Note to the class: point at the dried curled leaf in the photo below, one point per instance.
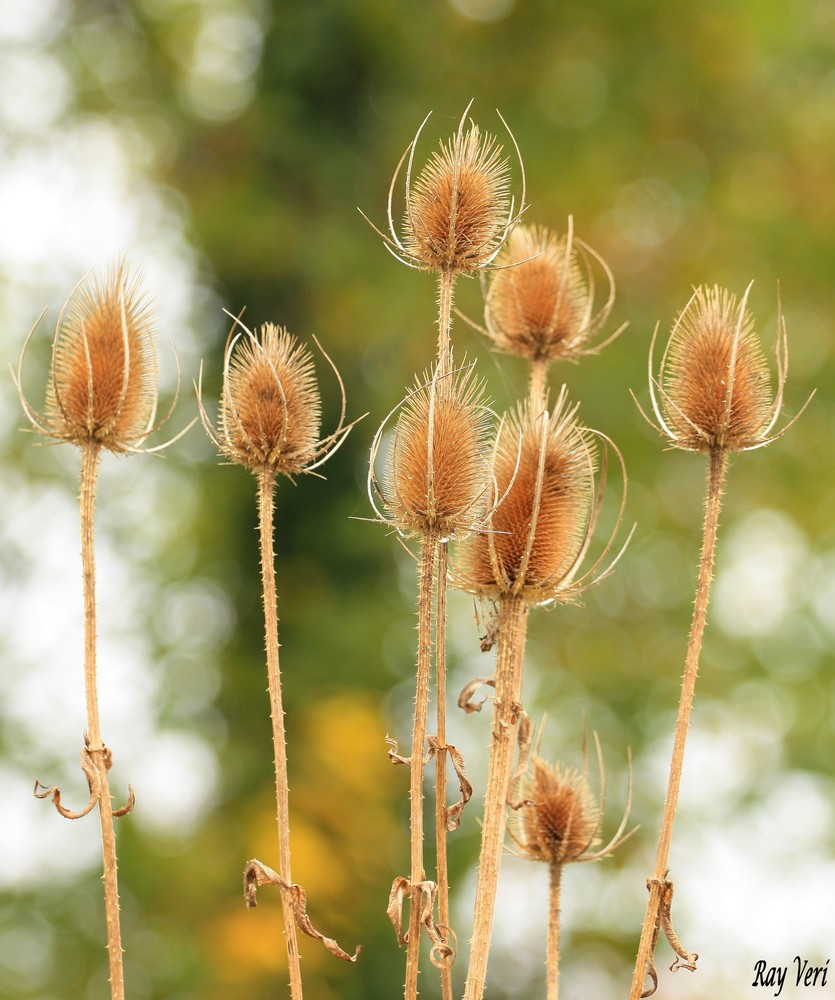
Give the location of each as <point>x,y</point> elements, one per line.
<point>684,959</point>
<point>257,874</point>
<point>94,784</point>
<point>465,699</point>
<point>453,812</point>
<point>393,755</point>
<point>443,952</point>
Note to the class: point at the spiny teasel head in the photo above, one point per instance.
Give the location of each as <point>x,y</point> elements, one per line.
<point>438,476</point>
<point>459,209</point>
<point>102,387</point>
<point>540,303</point>
<point>559,820</point>
<point>270,406</point>
<point>713,389</point>
<point>546,508</point>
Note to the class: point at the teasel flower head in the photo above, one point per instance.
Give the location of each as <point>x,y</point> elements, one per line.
<point>438,477</point>
<point>458,210</point>
<point>559,819</point>
<point>540,303</point>
<point>546,508</point>
<point>270,406</point>
<point>102,387</point>
<point>713,389</point>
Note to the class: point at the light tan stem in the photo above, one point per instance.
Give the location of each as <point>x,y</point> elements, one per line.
<point>95,748</point>
<point>713,502</point>
<point>446,287</point>
<point>553,953</point>
<point>538,385</point>
<point>266,491</point>
<point>511,648</point>
<point>441,863</point>
<point>426,570</point>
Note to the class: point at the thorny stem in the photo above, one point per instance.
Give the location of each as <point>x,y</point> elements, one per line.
<point>266,491</point>
<point>713,502</point>
<point>426,569</point>
<point>553,952</point>
<point>538,386</point>
<point>446,285</point>
<point>511,647</point>
<point>95,748</point>
<point>442,871</point>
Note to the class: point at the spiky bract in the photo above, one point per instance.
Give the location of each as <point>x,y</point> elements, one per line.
<point>559,823</point>
<point>270,409</point>
<point>713,383</point>
<point>457,211</point>
<point>438,476</point>
<point>540,303</point>
<point>103,379</point>
<point>543,467</point>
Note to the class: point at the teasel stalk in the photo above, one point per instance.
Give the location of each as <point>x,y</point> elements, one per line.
<point>270,416</point>
<point>531,553</point>
<point>436,486</point>
<point>711,394</point>
<point>101,395</point>
<point>558,823</point>
<point>458,213</point>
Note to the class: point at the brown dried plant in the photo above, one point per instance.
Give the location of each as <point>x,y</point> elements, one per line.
<point>270,411</point>
<point>101,394</point>
<point>557,824</point>
<point>530,553</point>
<point>437,485</point>
<point>540,301</point>
<point>711,394</point>
<point>457,214</point>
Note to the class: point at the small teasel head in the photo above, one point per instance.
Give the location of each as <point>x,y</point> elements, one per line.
<point>540,303</point>
<point>713,389</point>
<point>270,406</point>
<point>458,210</point>
<point>546,506</point>
<point>102,387</point>
<point>559,819</point>
<point>438,476</point>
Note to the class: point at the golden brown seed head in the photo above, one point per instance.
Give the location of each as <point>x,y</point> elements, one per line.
<point>714,383</point>
<point>540,304</point>
<point>438,477</point>
<point>103,380</point>
<point>544,471</point>
<point>457,211</point>
<point>270,409</point>
<point>561,823</point>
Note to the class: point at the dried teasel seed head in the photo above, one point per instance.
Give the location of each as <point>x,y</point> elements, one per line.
<point>560,822</point>
<point>540,303</point>
<point>457,211</point>
<point>544,471</point>
<point>438,474</point>
<point>713,386</point>
<point>103,379</point>
<point>270,408</point>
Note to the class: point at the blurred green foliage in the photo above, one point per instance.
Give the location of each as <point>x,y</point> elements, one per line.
<point>692,144</point>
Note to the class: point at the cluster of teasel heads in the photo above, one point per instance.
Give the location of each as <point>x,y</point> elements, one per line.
<point>520,496</point>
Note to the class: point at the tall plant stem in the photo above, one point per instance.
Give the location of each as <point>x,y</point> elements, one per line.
<point>717,469</point>
<point>446,288</point>
<point>441,864</point>
<point>266,492</point>
<point>511,648</point>
<point>553,953</point>
<point>538,384</point>
<point>426,570</point>
<point>94,748</point>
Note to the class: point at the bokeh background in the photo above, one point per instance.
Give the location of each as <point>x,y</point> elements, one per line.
<point>225,146</point>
